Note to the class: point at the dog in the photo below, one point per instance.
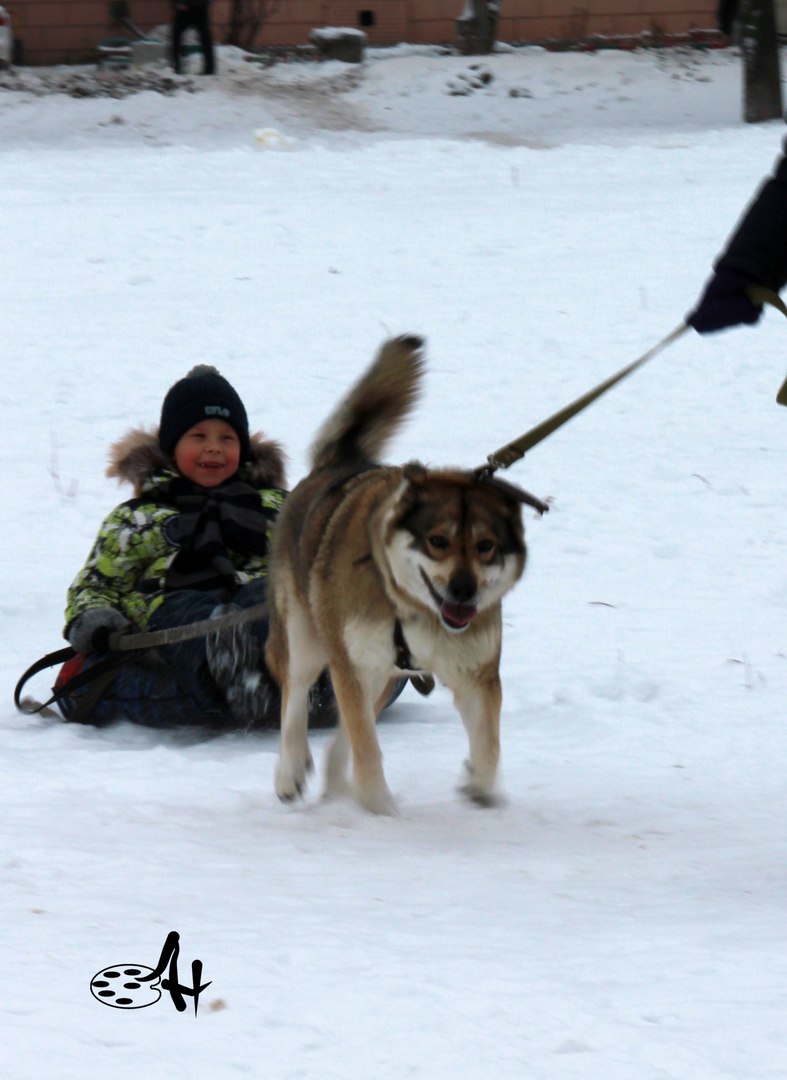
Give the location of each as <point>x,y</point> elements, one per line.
<point>381,571</point>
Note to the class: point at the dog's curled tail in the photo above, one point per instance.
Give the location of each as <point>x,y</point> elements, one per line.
<point>373,410</point>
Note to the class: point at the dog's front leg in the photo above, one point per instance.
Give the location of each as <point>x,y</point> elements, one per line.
<point>478,703</point>
<point>295,759</point>
<point>337,762</point>
<point>356,707</point>
<point>296,659</point>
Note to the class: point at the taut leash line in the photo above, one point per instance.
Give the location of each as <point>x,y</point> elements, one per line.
<point>514,451</point>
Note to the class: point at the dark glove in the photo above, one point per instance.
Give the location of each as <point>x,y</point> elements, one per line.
<point>724,303</point>
<point>90,631</point>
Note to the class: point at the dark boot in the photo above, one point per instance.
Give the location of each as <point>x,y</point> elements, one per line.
<point>236,662</point>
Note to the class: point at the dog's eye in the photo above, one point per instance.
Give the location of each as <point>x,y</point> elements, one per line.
<point>438,542</point>
<point>483,547</point>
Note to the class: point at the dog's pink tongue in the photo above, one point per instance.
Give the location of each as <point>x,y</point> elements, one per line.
<point>458,615</point>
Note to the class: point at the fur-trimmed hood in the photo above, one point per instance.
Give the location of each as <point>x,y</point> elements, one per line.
<point>137,456</point>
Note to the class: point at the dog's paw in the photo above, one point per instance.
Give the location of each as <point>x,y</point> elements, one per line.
<point>479,791</point>
<point>291,777</point>
<point>480,796</point>
<point>289,789</point>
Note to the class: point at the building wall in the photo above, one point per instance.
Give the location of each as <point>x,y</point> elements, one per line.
<point>568,19</point>
<point>68,31</point>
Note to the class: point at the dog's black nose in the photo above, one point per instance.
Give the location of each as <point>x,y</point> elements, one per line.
<point>462,587</point>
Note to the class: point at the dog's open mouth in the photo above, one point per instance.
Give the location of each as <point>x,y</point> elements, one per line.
<point>455,616</point>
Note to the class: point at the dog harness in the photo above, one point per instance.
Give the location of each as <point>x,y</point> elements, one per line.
<point>422,681</point>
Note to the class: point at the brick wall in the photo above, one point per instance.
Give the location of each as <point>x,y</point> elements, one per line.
<point>63,31</point>
<point>569,19</point>
<point>68,31</point>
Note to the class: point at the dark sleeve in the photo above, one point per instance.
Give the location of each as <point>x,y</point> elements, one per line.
<point>758,246</point>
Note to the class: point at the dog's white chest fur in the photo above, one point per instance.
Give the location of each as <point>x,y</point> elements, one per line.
<point>450,656</point>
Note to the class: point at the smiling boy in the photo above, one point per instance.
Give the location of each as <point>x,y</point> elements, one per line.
<point>192,543</point>
<point>208,453</point>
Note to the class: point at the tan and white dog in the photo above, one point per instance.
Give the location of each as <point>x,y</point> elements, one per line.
<point>379,571</point>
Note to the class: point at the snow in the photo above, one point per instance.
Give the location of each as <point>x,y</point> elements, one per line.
<point>621,915</point>
<point>334,33</point>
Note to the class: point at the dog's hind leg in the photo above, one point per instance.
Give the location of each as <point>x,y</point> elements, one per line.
<point>479,704</point>
<point>305,661</point>
<point>337,761</point>
<point>356,707</point>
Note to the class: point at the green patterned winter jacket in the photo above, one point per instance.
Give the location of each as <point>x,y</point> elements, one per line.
<point>131,556</point>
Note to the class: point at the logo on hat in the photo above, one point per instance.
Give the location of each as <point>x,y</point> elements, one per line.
<point>216,410</point>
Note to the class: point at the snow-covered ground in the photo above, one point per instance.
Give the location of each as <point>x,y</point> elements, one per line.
<point>622,916</point>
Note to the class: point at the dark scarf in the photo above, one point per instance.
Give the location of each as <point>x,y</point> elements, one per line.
<point>211,523</point>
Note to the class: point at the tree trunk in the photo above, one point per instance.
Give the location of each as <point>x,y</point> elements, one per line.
<point>762,93</point>
<point>235,23</point>
<point>246,19</point>
<point>476,27</point>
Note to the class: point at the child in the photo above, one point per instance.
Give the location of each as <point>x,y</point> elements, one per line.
<point>191,544</point>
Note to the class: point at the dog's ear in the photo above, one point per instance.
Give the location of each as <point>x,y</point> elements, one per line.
<point>518,494</point>
<point>414,472</point>
<point>411,495</point>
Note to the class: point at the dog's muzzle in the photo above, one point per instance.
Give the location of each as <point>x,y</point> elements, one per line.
<point>455,609</point>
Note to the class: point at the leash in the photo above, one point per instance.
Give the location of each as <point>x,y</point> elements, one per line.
<point>516,450</point>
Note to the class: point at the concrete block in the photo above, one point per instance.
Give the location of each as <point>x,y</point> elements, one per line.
<point>339,43</point>
<point>147,52</point>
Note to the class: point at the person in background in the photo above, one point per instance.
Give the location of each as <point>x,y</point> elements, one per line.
<point>196,14</point>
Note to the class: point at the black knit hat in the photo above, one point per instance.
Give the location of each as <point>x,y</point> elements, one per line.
<point>203,394</point>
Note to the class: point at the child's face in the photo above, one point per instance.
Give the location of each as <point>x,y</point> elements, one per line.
<point>208,453</point>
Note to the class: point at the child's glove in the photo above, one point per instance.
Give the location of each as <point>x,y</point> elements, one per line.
<point>724,303</point>
<point>90,631</point>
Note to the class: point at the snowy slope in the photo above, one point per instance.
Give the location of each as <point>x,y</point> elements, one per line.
<point>622,915</point>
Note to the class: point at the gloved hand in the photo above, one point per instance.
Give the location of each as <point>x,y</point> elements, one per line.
<point>724,303</point>
<point>90,631</point>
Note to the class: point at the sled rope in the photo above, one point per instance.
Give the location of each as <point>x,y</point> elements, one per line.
<point>516,450</point>
<point>149,639</point>
<point>102,673</point>
<point>100,676</point>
